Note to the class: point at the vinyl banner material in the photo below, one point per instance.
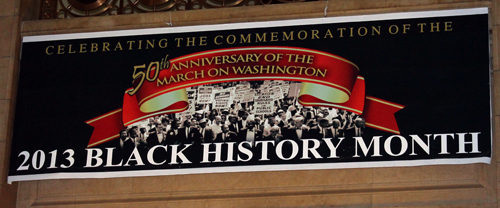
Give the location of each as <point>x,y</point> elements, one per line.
<point>400,89</point>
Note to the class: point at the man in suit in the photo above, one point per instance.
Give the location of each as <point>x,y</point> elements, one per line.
<point>356,129</point>
<point>172,135</point>
<point>310,114</point>
<point>187,133</point>
<point>298,131</point>
<point>233,125</point>
<point>275,135</point>
<point>156,136</point>
<point>283,122</point>
<point>143,134</point>
<point>359,124</point>
<point>151,124</point>
<point>323,130</point>
<point>250,133</point>
<point>126,143</point>
<point>242,123</point>
<point>226,135</point>
<point>206,134</point>
<point>166,123</point>
<point>258,124</point>
<point>138,138</point>
<point>337,130</point>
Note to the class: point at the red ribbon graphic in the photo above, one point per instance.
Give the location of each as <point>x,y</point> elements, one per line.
<point>328,80</point>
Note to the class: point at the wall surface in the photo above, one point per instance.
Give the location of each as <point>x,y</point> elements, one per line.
<point>424,186</point>
<point>10,19</point>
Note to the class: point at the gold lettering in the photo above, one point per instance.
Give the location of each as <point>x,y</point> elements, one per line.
<point>215,39</point>
<point>213,72</point>
<point>245,40</point>
<point>406,27</point>
<point>47,50</point>
<point>118,45</point>
<point>421,27</point>
<point>274,36</point>
<point>365,31</point>
<point>190,41</point>
<point>162,41</point>
<point>375,30</point>
<point>94,47</point>
<point>341,31</point>
<point>178,41</point>
<point>432,26</point>
<point>258,38</point>
<point>222,72</point>
<point>83,48</point>
<point>197,73</point>
<point>302,32</point>
<point>152,43</point>
<point>60,49</point>
<point>322,73</point>
<point>160,83</point>
<point>315,34</point>
<point>180,77</point>
<point>130,42</point>
<point>393,26</point>
<point>447,26</point>
<point>69,49</point>
<point>328,33</point>
<point>289,36</point>
<point>231,42</point>
<point>105,46</point>
<point>203,40</point>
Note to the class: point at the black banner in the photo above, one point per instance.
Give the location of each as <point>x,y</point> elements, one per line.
<point>399,89</point>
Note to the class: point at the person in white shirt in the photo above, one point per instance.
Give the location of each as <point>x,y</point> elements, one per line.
<point>217,124</point>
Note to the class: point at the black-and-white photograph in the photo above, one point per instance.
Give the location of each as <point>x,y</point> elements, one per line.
<point>242,111</point>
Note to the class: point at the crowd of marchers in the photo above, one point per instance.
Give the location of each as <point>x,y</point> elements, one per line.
<point>238,123</point>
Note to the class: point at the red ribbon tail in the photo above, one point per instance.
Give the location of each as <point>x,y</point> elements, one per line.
<point>106,127</point>
<point>379,114</point>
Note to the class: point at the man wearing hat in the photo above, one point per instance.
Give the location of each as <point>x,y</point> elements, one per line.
<point>279,116</point>
<point>206,134</point>
<point>233,125</point>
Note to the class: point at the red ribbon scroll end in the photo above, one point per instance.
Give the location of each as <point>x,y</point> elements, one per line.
<point>379,114</point>
<point>105,127</point>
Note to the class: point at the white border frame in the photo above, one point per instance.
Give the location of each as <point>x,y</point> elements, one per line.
<point>248,168</point>
<point>265,24</point>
